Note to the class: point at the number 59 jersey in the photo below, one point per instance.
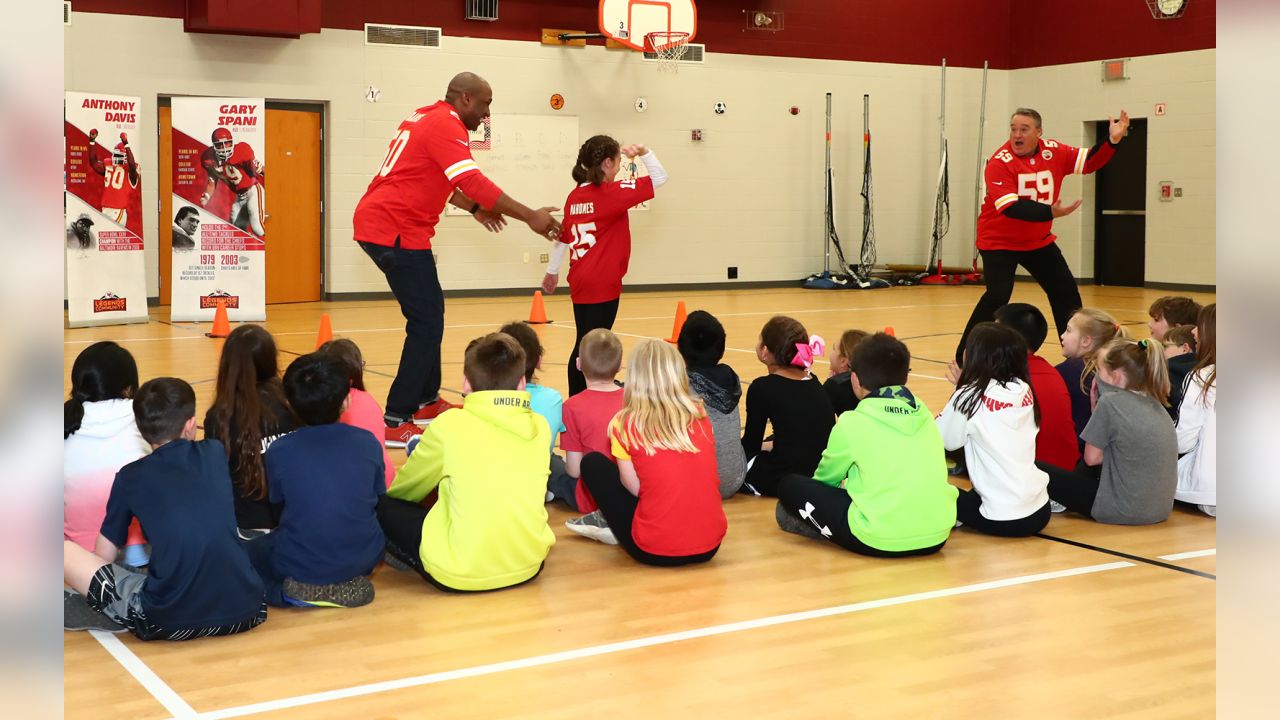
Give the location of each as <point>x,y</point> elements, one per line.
<point>598,232</point>
<point>1010,178</point>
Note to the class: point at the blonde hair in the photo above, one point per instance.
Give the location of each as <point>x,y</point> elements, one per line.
<point>601,354</point>
<point>1143,364</point>
<point>657,405</point>
<point>1102,328</point>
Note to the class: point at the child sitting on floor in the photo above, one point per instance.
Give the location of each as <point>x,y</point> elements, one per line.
<point>1180,352</point>
<point>1171,311</point>
<point>1087,331</point>
<point>200,582</point>
<point>881,488</point>
<point>546,401</point>
<point>1057,442</point>
<point>661,500</point>
<point>1198,421</point>
<point>838,387</point>
<point>362,410</point>
<point>326,477</point>
<point>701,344</point>
<point>586,420</point>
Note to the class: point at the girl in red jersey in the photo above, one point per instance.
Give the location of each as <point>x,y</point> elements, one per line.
<point>661,502</point>
<point>597,236</point>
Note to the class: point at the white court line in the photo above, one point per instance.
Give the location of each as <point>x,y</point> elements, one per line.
<point>159,690</point>
<point>598,650</point>
<point>1189,555</point>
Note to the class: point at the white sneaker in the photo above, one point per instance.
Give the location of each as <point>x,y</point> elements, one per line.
<point>1056,507</point>
<point>594,526</point>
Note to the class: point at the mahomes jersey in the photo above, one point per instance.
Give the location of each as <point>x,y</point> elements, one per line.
<point>1036,177</point>
<point>429,157</point>
<point>598,233</point>
<point>238,172</point>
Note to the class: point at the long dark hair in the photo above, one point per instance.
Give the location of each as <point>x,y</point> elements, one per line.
<point>593,152</point>
<point>102,371</point>
<point>247,372</point>
<point>1207,346</point>
<point>993,352</point>
<point>780,336</point>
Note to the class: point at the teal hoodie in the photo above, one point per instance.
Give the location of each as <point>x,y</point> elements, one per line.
<point>887,454</point>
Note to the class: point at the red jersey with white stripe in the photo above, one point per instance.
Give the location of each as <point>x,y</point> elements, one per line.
<point>429,157</point>
<point>1036,177</point>
<point>117,189</point>
<point>239,172</point>
<point>598,233</point>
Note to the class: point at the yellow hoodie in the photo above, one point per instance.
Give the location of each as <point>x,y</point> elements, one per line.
<point>489,528</point>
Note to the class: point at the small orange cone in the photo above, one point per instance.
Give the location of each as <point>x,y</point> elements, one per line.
<point>888,330</point>
<point>326,331</point>
<point>537,313</point>
<point>678,324</point>
<point>221,326</point>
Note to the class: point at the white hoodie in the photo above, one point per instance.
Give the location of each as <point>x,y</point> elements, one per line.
<point>1198,438</point>
<point>108,439</point>
<point>999,444</point>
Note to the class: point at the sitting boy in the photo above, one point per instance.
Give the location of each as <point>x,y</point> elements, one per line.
<point>200,582</point>
<point>327,477</point>
<point>488,529</point>
<point>701,344</point>
<point>888,455</point>
<point>1180,352</point>
<point>1056,443</point>
<point>1171,311</point>
<point>586,420</point>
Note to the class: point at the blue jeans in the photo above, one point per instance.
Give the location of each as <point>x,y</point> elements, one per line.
<point>416,286</point>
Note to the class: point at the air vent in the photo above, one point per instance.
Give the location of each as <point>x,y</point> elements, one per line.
<point>693,53</point>
<point>66,13</point>
<point>401,35</point>
<point>486,10</point>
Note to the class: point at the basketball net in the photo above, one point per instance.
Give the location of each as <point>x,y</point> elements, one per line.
<point>668,47</point>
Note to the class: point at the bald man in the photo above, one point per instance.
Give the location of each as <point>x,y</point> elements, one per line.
<point>428,163</point>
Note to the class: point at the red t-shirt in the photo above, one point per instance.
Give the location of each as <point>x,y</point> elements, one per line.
<point>1036,177</point>
<point>586,418</point>
<point>1056,442</point>
<point>598,233</point>
<point>678,512</point>
<point>428,159</point>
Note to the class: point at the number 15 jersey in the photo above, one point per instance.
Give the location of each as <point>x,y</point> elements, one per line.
<point>1037,177</point>
<point>598,232</point>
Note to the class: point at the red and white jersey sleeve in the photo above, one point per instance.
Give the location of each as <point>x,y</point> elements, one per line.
<point>598,233</point>
<point>428,158</point>
<point>240,170</point>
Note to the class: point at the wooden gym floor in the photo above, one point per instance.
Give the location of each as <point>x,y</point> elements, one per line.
<point>1098,621</point>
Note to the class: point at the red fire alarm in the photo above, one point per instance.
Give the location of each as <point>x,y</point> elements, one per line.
<point>1115,70</point>
<point>1166,191</point>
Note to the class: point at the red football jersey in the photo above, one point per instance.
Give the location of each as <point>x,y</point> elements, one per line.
<point>598,233</point>
<point>428,158</point>
<point>238,172</point>
<point>1036,177</point>
<point>1056,442</point>
<point>117,190</point>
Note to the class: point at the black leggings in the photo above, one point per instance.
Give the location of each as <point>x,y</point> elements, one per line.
<point>1047,267</point>
<point>828,510</point>
<point>967,512</point>
<point>1076,489</point>
<point>401,523</point>
<point>588,317</point>
<point>618,506</point>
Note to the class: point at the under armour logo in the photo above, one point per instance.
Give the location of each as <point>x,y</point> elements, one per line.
<point>807,514</point>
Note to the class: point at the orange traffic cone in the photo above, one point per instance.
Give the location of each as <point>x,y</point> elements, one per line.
<point>888,330</point>
<point>326,331</point>
<point>221,326</point>
<point>537,313</point>
<point>678,324</point>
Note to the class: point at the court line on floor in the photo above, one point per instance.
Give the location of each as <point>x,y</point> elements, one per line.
<point>1129,556</point>
<point>145,676</point>
<point>652,641</point>
<point>1189,555</point>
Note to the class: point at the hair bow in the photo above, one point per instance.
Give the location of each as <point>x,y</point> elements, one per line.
<point>1142,344</point>
<point>806,352</point>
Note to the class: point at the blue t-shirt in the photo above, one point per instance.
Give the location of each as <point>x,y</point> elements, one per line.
<point>328,477</point>
<point>1071,371</point>
<point>548,403</point>
<point>181,495</point>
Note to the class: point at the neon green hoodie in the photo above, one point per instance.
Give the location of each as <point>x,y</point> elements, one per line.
<point>489,528</point>
<point>888,455</point>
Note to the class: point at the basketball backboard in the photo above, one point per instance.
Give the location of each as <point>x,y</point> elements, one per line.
<point>628,21</point>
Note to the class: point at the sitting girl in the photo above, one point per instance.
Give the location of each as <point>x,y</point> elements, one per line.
<point>1198,421</point>
<point>362,409</point>
<point>1087,331</point>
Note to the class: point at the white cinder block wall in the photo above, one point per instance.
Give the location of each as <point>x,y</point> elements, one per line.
<point>749,195</point>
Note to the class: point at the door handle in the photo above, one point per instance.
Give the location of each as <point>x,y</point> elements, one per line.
<point>1124,212</point>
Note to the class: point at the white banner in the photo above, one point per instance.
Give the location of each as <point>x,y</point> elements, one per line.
<point>106,273</point>
<point>219,206</point>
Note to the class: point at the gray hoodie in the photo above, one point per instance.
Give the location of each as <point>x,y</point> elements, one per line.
<point>721,393</point>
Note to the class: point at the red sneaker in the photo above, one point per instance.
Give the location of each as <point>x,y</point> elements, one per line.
<point>398,436</point>
<point>432,410</point>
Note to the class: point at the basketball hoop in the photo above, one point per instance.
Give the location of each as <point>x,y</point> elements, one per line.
<point>668,47</point>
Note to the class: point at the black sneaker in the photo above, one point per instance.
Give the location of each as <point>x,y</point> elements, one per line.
<point>352,593</point>
<point>77,614</point>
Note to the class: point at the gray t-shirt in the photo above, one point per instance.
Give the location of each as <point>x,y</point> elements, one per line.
<point>1140,461</point>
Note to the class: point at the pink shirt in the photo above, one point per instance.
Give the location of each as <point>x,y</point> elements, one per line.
<point>364,412</point>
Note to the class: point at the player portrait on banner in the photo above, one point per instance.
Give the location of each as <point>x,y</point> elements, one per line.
<point>233,164</point>
<point>185,225</point>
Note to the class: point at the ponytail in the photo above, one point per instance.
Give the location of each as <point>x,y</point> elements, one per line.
<point>1102,328</point>
<point>1143,364</point>
<point>587,168</point>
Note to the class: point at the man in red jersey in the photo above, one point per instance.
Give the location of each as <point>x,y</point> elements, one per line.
<point>1015,227</point>
<point>428,163</point>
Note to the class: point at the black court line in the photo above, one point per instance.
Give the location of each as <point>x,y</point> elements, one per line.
<point>1127,556</point>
